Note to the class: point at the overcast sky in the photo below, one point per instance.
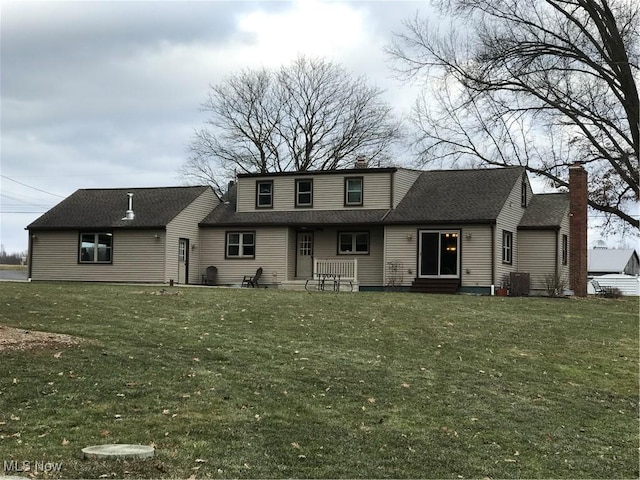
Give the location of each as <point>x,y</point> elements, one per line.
<point>107,94</point>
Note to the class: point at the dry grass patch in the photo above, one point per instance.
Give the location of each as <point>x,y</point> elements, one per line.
<point>20,339</point>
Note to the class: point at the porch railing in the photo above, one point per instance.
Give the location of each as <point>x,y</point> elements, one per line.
<point>347,269</point>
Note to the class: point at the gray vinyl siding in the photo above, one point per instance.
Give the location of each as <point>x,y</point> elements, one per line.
<point>291,254</point>
<point>370,267</point>
<point>137,257</point>
<point>476,256</point>
<point>401,249</point>
<point>538,250</point>
<point>271,247</point>
<point>185,225</point>
<point>509,219</point>
<point>402,253</point>
<point>328,191</point>
<point>403,179</point>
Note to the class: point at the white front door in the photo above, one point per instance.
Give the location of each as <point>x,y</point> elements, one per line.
<point>304,256</point>
<point>183,260</point>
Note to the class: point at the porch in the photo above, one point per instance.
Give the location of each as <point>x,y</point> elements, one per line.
<point>328,275</point>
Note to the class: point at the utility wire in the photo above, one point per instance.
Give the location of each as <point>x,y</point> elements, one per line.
<point>29,186</point>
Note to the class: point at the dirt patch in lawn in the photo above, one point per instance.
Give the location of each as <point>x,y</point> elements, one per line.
<point>20,339</point>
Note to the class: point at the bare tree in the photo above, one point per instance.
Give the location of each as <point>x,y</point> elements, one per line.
<point>310,115</point>
<point>540,84</point>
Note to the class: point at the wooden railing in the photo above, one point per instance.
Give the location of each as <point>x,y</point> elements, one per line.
<point>346,269</point>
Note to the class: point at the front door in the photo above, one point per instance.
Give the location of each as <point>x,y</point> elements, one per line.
<point>304,256</point>
<point>183,261</point>
<point>439,254</point>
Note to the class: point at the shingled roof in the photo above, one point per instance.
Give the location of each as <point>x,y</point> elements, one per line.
<point>455,196</point>
<point>546,210</point>
<point>105,208</point>
<point>225,215</point>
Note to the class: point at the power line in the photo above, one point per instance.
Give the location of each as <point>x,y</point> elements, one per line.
<point>29,186</point>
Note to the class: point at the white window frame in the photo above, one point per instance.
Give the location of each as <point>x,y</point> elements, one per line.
<point>507,247</point>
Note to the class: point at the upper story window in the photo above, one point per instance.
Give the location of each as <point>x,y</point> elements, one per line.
<point>304,193</point>
<point>353,191</point>
<point>264,194</point>
<point>523,193</point>
<point>507,247</point>
<point>95,247</point>
<point>565,249</point>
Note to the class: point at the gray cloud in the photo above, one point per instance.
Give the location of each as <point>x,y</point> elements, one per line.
<point>106,94</point>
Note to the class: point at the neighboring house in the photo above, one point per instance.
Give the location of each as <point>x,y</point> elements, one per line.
<point>121,235</point>
<point>603,261</point>
<point>444,230</point>
<point>449,230</point>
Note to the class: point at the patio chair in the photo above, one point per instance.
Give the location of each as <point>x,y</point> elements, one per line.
<point>252,280</point>
<point>209,277</point>
<point>599,289</point>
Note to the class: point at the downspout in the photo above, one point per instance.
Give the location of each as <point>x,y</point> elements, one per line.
<point>493,257</point>
<point>557,269</point>
<point>30,256</point>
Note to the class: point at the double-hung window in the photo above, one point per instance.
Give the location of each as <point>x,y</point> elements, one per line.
<point>264,194</point>
<point>304,193</point>
<point>507,247</point>
<point>353,243</point>
<point>95,247</point>
<point>240,245</point>
<point>353,191</point>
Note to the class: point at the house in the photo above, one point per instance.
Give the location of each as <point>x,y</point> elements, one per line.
<point>448,230</point>
<point>603,261</point>
<point>121,235</point>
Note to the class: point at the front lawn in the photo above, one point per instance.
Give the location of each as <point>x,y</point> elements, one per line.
<point>266,383</point>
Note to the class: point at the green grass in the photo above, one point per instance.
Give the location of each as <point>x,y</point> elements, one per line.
<point>266,383</point>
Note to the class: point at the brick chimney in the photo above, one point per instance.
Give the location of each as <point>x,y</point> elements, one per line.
<point>578,194</point>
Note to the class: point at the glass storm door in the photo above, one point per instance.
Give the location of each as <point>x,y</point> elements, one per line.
<point>439,254</point>
<point>183,260</point>
<point>304,256</point>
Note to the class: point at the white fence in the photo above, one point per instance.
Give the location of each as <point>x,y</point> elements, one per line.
<point>627,284</point>
<point>347,269</point>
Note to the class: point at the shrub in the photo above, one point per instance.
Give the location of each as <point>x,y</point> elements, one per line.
<point>555,285</point>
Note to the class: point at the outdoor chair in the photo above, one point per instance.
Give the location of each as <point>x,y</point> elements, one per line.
<point>252,280</point>
<point>599,289</point>
<point>209,278</point>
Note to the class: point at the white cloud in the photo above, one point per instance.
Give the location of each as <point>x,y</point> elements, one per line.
<point>324,29</point>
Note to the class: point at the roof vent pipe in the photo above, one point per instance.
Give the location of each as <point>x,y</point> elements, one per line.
<point>129,215</point>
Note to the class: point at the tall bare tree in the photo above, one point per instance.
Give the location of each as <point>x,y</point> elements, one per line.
<point>310,115</point>
<point>535,83</point>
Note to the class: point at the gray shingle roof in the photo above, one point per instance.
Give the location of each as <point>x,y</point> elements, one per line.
<point>225,215</point>
<point>105,208</point>
<point>456,196</point>
<point>545,210</point>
